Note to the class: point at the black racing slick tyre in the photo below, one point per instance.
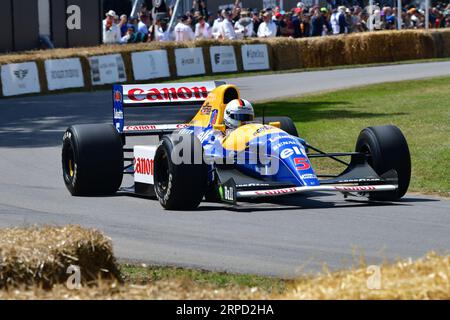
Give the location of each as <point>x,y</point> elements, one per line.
<point>286,124</point>
<point>92,159</point>
<point>387,150</point>
<point>180,173</point>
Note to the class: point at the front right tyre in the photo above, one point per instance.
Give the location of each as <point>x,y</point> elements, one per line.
<point>386,149</point>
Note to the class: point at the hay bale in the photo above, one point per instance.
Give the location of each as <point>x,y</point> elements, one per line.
<point>323,51</point>
<point>40,256</point>
<point>389,46</point>
<point>445,38</point>
<point>286,53</point>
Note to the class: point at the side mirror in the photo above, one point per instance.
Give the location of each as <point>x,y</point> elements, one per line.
<point>276,124</point>
<point>220,127</point>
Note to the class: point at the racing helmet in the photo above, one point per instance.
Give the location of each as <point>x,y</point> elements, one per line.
<point>237,113</point>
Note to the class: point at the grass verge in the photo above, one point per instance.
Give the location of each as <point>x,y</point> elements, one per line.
<point>332,121</point>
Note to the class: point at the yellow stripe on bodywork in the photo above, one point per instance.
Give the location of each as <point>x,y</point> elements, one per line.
<point>215,100</point>
<point>239,138</point>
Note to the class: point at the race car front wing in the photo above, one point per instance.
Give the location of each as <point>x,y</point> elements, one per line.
<point>303,189</point>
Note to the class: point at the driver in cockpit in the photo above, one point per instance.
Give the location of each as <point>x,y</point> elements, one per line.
<point>237,113</point>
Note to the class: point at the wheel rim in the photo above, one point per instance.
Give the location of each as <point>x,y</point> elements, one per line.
<point>69,163</point>
<point>366,150</point>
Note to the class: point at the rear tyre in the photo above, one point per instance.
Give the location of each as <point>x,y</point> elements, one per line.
<point>92,159</point>
<point>286,124</point>
<point>180,186</point>
<point>388,150</point>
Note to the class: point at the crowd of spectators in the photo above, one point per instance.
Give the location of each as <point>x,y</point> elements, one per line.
<point>239,23</point>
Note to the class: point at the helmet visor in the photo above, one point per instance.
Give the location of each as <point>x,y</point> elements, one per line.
<point>242,117</point>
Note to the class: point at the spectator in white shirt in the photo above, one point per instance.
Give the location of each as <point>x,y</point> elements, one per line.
<point>216,26</point>
<point>267,28</point>
<point>202,29</point>
<point>111,32</point>
<point>144,23</point>
<point>183,31</point>
<point>161,32</point>
<point>128,35</point>
<point>226,27</point>
<point>244,26</point>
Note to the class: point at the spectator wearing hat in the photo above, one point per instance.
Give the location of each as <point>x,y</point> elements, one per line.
<point>267,29</point>
<point>334,21</point>
<point>183,31</point>
<point>338,21</point>
<point>296,21</point>
<point>226,27</point>
<point>244,26</point>
<point>318,23</point>
<point>202,29</point>
<point>111,32</point>
<point>279,22</point>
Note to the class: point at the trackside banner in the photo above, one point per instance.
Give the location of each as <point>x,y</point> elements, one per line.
<point>107,69</point>
<point>20,78</point>
<point>223,59</point>
<point>255,57</point>
<point>163,93</point>
<point>64,73</point>
<point>150,64</point>
<point>189,61</point>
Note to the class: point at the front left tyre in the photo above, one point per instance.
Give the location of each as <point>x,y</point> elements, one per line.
<point>286,124</point>
<point>92,159</point>
<point>180,173</point>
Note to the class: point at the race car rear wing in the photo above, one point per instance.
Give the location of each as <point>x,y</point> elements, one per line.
<point>156,95</point>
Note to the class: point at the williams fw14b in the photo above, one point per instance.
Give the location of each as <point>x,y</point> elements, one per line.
<point>203,160</point>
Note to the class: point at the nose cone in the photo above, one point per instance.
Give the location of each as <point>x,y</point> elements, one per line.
<point>293,158</point>
<point>301,168</point>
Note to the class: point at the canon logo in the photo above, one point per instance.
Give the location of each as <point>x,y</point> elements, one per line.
<point>144,166</point>
<point>167,94</point>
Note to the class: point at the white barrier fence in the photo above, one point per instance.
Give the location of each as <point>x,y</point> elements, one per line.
<point>23,78</point>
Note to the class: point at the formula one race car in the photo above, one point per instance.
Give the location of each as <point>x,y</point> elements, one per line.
<point>200,160</point>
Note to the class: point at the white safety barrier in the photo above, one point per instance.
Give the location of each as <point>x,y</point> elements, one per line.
<point>64,73</point>
<point>255,57</point>
<point>150,64</point>
<point>107,69</point>
<point>20,78</point>
<point>223,59</point>
<point>189,61</point>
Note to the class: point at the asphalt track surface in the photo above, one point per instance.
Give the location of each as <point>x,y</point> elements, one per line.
<point>296,235</point>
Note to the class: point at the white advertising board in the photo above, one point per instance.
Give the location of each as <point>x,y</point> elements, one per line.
<point>20,78</point>
<point>223,59</point>
<point>150,64</point>
<point>64,73</point>
<point>189,61</point>
<point>255,57</point>
<point>107,69</point>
